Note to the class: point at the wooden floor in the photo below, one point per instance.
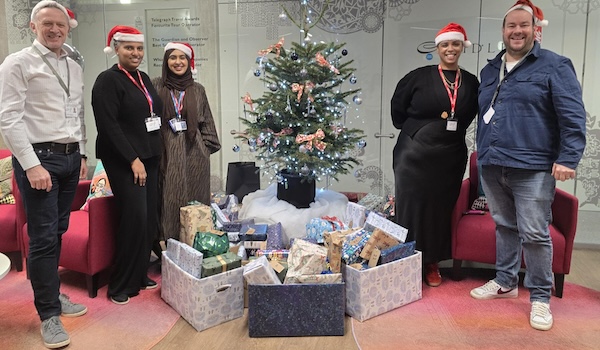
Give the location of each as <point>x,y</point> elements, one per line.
<point>234,334</point>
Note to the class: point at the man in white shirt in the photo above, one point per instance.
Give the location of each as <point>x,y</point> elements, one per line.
<point>41,121</point>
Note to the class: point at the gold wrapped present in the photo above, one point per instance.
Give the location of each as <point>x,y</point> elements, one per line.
<point>334,241</point>
<point>305,259</point>
<point>194,218</point>
<point>380,240</point>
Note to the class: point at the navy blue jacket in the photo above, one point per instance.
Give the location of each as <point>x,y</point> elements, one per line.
<point>539,115</point>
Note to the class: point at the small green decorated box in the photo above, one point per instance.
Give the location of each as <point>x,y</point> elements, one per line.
<point>220,263</point>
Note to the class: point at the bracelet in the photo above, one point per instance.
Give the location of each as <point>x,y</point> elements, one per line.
<point>83,156</point>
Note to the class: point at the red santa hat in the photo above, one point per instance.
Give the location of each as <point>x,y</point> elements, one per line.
<point>535,11</point>
<point>123,33</point>
<point>53,4</point>
<point>452,31</point>
<point>186,49</point>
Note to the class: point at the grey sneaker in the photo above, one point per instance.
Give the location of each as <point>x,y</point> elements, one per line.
<point>54,334</point>
<point>541,316</point>
<point>69,308</point>
<point>493,290</point>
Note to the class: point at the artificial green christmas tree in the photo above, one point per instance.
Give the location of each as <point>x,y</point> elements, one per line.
<point>298,126</point>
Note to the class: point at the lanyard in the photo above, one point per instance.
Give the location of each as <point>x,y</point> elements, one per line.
<point>501,74</point>
<point>178,103</point>
<point>62,83</point>
<point>452,96</point>
<point>142,87</point>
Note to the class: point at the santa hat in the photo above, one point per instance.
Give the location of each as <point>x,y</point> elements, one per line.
<point>123,33</point>
<point>186,49</point>
<point>535,11</point>
<point>53,4</point>
<point>452,31</point>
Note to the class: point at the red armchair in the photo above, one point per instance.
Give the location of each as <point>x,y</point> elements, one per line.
<point>88,246</point>
<point>474,236</point>
<point>10,241</point>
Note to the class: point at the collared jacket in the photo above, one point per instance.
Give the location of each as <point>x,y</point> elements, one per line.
<point>539,117</point>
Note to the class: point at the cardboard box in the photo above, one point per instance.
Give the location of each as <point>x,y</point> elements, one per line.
<point>380,289</point>
<point>205,302</point>
<point>296,310</point>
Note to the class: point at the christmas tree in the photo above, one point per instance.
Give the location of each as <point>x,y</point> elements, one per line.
<point>299,123</point>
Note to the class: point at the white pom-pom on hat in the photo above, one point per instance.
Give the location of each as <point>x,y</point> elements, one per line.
<point>53,4</point>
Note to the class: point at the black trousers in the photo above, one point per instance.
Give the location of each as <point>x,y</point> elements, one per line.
<point>138,223</point>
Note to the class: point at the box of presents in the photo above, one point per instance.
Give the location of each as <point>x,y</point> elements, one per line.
<point>205,302</point>
<point>296,310</point>
<point>382,288</point>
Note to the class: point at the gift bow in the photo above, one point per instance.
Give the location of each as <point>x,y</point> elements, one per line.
<point>299,89</point>
<point>312,139</point>
<point>247,99</point>
<point>276,47</point>
<point>324,63</point>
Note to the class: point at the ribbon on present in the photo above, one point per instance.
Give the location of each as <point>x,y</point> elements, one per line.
<point>312,139</point>
<point>321,61</point>
<point>223,262</point>
<point>276,47</point>
<point>334,222</point>
<point>248,100</point>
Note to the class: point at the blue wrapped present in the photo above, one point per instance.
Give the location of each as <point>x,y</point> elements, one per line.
<point>397,252</point>
<point>254,232</point>
<point>353,245</point>
<point>317,226</point>
<point>275,236</point>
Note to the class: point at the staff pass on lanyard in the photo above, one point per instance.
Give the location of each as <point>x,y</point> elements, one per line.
<point>178,124</point>
<point>452,122</point>
<point>153,121</point>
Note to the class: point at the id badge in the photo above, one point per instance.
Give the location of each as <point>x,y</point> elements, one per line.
<point>72,109</point>
<point>452,125</point>
<point>488,115</point>
<point>178,125</point>
<point>152,124</point>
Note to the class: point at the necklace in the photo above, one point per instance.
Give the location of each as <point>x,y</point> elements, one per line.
<point>451,84</point>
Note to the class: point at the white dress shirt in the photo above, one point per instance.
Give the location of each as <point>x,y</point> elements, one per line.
<point>33,104</point>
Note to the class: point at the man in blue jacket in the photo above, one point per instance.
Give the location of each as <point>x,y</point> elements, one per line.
<point>530,133</point>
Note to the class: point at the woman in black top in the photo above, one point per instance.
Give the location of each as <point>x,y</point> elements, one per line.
<point>125,107</point>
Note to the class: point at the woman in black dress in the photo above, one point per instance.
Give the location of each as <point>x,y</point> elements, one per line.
<point>433,106</point>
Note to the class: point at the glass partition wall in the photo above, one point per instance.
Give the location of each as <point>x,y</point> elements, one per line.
<point>385,39</point>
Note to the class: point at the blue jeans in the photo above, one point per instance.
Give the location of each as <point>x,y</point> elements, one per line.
<point>520,202</point>
<point>47,219</point>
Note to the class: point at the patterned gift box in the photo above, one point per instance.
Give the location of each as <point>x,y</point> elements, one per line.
<point>320,279</point>
<point>398,252</point>
<point>205,302</point>
<point>387,226</point>
<point>211,243</point>
<point>379,240</point>
<point>380,289</point>
<point>372,202</point>
<point>220,263</point>
<point>232,226</point>
<point>292,310</point>
<point>389,208</point>
<point>220,216</point>
<point>259,271</point>
<point>353,245</point>
<point>279,254</point>
<point>254,232</point>
<point>334,242</point>
<point>193,218</point>
<point>275,236</point>
<point>173,247</point>
<point>356,215</point>
<point>305,259</point>
<point>317,226</point>
<point>190,260</point>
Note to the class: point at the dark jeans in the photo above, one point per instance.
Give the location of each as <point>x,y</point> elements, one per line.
<point>47,219</point>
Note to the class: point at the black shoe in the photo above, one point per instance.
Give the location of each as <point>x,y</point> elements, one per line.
<point>149,284</point>
<point>120,299</point>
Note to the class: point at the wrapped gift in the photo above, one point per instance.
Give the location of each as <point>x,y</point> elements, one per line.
<point>193,218</point>
<point>254,232</point>
<point>389,208</point>
<point>320,279</point>
<point>220,263</point>
<point>280,254</point>
<point>232,226</point>
<point>173,247</point>
<point>211,243</point>
<point>317,226</point>
<point>353,245</point>
<point>205,302</point>
<point>305,259</point>
<point>397,252</point>
<point>219,215</point>
<point>291,310</point>
<point>379,240</point>
<point>377,290</point>
<point>355,215</point>
<point>219,198</point>
<point>190,260</point>
<point>259,271</point>
<point>334,241</point>
<point>275,236</point>
<point>372,202</point>
<point>387,226</point>
<point>280,267</point>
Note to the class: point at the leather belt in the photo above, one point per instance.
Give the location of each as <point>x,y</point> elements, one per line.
<point>54,147</point>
